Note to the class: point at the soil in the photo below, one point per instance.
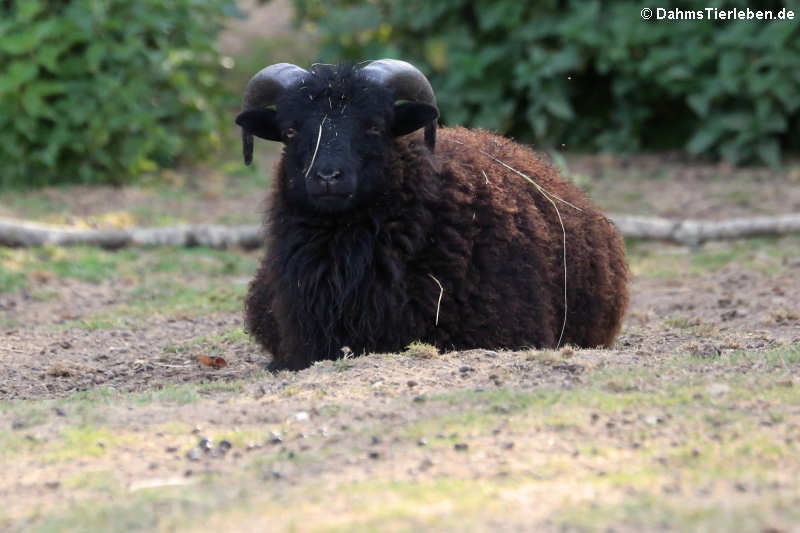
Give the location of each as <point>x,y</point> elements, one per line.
<point>746,309</point>
<point>673,186</point>
<point>343,416</point>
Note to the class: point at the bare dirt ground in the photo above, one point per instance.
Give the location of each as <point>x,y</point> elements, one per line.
<point>670,189</point>
<point>110,421</point>
<point>681,188</point>
<point>51,346</point>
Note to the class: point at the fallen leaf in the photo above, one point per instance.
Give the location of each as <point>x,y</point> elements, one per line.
<point>213,362</point>
<point>41,276</point>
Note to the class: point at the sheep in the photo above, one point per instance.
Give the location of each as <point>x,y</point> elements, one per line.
<point>378,236</point>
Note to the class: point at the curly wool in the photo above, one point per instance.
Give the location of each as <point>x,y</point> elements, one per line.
<point>367,279</point>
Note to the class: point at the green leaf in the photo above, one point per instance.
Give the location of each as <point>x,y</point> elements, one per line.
<point>84,83</point>
<point>19,43</point>
<point>702,140</point>
<point>29,9</point>
<point>95,54</point>
<point>19,73</point>
<point>699,102</point>
<point>737,121</point>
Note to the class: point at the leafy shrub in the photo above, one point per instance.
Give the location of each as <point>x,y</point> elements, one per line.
<point>591,75</point>
<point>102,90</point>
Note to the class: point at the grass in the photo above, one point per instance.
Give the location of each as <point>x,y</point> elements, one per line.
<point>21,267</point>
<point>164,298</point>
<point>405,506</point>
<point>73,443</point>
<point>680,322</point>
<point>568,465</point>
<point>82,263</point>
<point>199,261</point>
<point>162,282</point>
<point>156,200</point>
<point>103,481</point>
<point>86,407</point>
<point>212,344</point>
<point>738,197</point>
<point>83,441</point>
<point>9,279</point>
<point>574,497</point>
<point>778,357</point>
<point>420,505</point>
<point>35,204</point>
<point>169,395</point>
<point>764,254</point>
<point>99,322</point>
<point>141,511</point>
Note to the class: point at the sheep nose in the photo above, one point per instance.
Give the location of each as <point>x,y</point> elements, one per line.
<point>328,176</point>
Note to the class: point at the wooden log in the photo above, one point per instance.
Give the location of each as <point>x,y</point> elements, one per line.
<point>26,233</point>
<point>688,232</point>
<point>695,232</point>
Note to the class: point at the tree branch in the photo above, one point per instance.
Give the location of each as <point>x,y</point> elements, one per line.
<point>25,233</point>
<point>695,232</point>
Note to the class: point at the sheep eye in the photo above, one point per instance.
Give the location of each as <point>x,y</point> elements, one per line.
<point>373,129</point>
<point>290,133</point>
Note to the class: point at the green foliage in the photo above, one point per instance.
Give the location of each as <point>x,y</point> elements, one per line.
<point>591,75</point>
<point>102,90</point>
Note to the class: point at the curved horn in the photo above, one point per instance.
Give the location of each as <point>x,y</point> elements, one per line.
<point>263,90</point>
<point>408,83</point>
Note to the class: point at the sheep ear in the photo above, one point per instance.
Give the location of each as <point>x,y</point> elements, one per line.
<point>261,123</point>
<point>411,116</point>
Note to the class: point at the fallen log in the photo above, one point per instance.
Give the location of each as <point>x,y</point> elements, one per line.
<point>26,233</point>
<point>696,232</point>
<point>687,232</point>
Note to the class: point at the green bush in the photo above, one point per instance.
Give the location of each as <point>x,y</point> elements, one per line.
<point>102,90</point>
<point>588,74</point>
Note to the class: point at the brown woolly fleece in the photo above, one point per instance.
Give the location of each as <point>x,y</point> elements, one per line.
<point>368,279</point>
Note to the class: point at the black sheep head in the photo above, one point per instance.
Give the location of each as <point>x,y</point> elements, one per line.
<point>337,125</point>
